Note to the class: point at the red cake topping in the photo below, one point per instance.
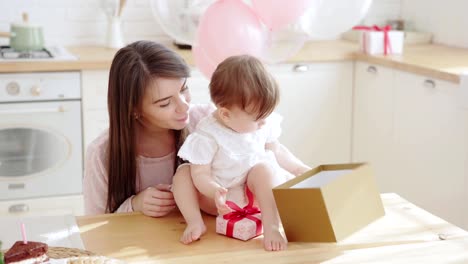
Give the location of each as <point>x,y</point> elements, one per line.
<point>20,251</point>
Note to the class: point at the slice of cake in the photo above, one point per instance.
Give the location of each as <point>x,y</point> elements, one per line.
<point>1,253</point>
<point>32,252</point>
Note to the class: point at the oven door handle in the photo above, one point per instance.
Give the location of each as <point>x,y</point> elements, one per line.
<point>60,109</point>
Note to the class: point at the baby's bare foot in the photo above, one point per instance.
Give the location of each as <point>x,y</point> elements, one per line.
<point>192,233</point>
<point>273,240</point>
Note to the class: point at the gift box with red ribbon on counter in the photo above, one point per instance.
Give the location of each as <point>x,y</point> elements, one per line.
<point>242,223</point>
<point>380,40</point>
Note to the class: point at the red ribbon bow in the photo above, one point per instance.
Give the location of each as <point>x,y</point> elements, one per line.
<point>240,213</point>
<point>387,45</point>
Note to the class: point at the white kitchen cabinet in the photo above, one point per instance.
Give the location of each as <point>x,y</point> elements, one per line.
<point>95,122</point>
<point>60,205</point>
<point>373,121</point>
<point>95,88</point>
<point>94,100</point>
<point>316,101</point>
<point>431,135</point>
<point>414,132</point>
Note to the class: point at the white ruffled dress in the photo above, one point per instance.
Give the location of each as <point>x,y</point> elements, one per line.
<point>231,154</point>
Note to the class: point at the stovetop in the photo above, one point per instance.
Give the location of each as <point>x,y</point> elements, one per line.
<point>8,54</point>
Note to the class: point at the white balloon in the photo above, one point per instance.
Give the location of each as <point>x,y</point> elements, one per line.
<point>179,18</point>
<point>283,43</point>
<point>329,18</point>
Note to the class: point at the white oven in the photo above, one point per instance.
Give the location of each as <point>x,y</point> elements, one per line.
<point>40,135</point>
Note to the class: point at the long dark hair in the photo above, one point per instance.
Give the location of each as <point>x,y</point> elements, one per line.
<point>131,72</point>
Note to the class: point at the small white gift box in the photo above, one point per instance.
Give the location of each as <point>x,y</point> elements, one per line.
<point>375,40</point>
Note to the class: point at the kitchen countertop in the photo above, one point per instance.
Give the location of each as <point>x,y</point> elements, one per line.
<point>406,234</point>
<point>437,61</point>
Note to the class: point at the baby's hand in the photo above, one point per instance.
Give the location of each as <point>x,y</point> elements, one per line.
<point>220,201</point>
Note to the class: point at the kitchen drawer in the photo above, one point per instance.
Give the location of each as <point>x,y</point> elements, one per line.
<point>61,205</point>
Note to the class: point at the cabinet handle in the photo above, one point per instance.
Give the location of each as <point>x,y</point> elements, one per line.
<point>300,68</point>
<point>371,69</point>
<point>18,208</point>
<point>60,109</point>
<point>429,84</point>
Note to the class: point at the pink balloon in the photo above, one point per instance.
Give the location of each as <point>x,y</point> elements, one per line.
<point>279,13</point>
<point>230,27</point>
<point>203,62</point>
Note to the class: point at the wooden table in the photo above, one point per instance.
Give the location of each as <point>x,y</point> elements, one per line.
<point>406,234</point>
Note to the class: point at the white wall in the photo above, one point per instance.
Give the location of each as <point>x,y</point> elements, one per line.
<point>446,19</point>
<point>76,22</point>
<point>80,22</point>
<point>381,11</point>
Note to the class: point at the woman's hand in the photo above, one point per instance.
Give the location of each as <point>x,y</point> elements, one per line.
<point>154,201</point>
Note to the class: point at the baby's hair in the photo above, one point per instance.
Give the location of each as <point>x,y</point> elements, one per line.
<point>242,81</point>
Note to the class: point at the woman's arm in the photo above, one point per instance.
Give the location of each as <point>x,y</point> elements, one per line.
<point>95,183</point>
<point>286,159</point>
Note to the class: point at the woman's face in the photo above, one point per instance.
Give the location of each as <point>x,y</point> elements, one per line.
<point>165,105</point>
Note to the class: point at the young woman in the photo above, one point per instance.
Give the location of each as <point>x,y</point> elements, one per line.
<point>130,166</point>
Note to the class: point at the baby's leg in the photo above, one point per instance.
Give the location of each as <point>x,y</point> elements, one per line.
<point>261,180</point>
<point>187,199</point>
